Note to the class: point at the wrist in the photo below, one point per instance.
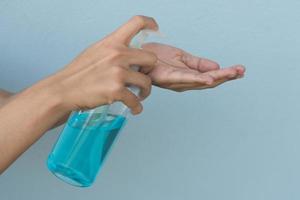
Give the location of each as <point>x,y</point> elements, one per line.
<point>46,98</point>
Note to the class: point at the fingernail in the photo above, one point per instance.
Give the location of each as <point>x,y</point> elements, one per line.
<point>242,68</point>
<point>134,112</point>
<point>137,110</point>
<point>141,98</point>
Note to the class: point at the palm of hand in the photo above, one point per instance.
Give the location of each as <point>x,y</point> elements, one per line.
<point>178,70</point>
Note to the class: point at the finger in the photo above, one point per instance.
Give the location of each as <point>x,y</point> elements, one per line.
<point>141,81</point>
<point>189,76</point>
<point>144,59</point>
<point>240,73</point>
<point>221,81</point>
<point>199,64</point>
<point>137,23</point>
<point>193,86</point>
<point>241,70</point>
<point>180,87</point>
<point>226,73</point>
<point>131,101</point>
<point>197,86</point>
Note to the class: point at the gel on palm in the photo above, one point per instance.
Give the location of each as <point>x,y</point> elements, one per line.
<point>87,138</point>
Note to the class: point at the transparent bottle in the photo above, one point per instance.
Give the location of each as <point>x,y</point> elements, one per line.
<point>84,143</point>
<point>87,138</point>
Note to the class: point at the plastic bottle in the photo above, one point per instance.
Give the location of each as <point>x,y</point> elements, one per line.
<point>87,138</point>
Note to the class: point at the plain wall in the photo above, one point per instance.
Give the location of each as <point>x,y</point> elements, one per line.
<point>239,141</point>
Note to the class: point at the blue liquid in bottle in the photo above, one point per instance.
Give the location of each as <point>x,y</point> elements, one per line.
<point>88,135</point>
<point>79,152</point>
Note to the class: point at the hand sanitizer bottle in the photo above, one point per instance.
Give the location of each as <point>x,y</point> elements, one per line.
<point>87,137</point>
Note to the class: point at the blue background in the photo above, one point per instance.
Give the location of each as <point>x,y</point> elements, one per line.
<point>237,142</point>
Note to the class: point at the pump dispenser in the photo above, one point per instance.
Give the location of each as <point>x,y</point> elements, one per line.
<point>88,136</point>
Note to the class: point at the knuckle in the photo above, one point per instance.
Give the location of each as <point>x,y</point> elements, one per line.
<point>116,91</point>
<point>153,57</point>
<point>148,81</point>
<point>118,74</point>
<point>139,19</point>
<point>116,53</point>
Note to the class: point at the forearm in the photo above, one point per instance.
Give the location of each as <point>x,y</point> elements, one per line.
<point>4,96</point>
<point>24,119</point>
<point>99,75</point>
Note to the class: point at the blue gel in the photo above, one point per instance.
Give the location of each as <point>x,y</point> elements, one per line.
<point>82,147</point>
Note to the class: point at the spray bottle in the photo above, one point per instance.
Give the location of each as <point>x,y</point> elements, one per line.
<point>88,136</point>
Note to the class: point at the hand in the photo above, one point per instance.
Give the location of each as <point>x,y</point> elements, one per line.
<point>101,74</point>
<point>179,71</point>
<point>98,76</point>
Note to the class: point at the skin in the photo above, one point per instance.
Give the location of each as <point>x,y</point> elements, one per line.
<point>180,71</point>
<point>100,75</point>
<point>4,96</point>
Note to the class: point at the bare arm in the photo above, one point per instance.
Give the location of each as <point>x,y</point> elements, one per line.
<point>24,119</point>
<point>98,76</point>
<point>4,96</point>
